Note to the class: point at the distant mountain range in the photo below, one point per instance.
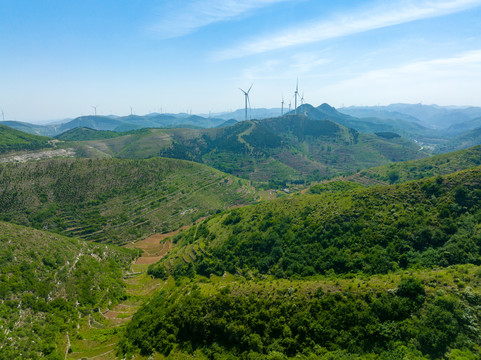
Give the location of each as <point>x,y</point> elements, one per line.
<point>433,116</point>
<point>124,123</point>
<point>430,125</point>
<point>411,120</point>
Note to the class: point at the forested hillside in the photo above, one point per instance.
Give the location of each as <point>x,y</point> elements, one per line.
<point>307,278</point>
<point>115,200</point>
<point>432,222</point>
<point>15,140</point>
<point>286,149</point>
<point>463,141</point>
<point>47,282</point>
<point>400,172</point>
<point>429,314</point>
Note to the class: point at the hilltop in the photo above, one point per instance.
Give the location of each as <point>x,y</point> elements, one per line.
<point>290,148</point>
<point>47,282</point>
<point>115,200</point>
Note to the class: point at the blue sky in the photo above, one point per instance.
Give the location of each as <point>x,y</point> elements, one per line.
<point>59,58</point>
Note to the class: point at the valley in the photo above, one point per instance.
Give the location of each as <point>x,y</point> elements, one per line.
<point>288,237</point>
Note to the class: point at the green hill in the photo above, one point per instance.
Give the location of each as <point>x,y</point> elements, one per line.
<point>115,200</point>
<point>289,148</point>
<point>382,273</point>
<point>34,129</point>
<point>466,140</point>
<point>431,222</point>
<point>429,314</point>
<point>400,172</point>
<point>85,133</point>
<point>47,282</point>
<point>15,140</point>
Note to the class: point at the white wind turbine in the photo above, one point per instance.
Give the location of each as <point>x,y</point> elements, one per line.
<point>247,100</point>
<point>282,106</point>
<point>296,94</point>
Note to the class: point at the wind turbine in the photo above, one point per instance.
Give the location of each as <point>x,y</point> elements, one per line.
<point>302,98</point>
<point>3,115</point>
<point>95,109</point>
<point>289,106</point>
<point>296,94</point>
<point>246,94</point>
<point>282,106</point>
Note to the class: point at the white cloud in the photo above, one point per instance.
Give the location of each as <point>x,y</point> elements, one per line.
<point>379,16</point>
<point>179,20</point>
<point>445,81</point>
<point>297,65</point>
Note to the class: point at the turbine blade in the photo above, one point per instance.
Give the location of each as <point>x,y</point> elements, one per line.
<point>250,88</point>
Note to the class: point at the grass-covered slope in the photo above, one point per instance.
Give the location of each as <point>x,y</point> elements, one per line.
<point>46,282</point>
<point>417,169</point>
<point>15,140</point>
<point>431,222</point>
<point>115,200</point>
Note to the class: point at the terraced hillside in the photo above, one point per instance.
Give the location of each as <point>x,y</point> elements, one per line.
<point>115,200</point>
<point>48,283</point>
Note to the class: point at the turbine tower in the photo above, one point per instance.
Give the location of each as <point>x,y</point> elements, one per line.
<point>246,94</point>
<point>282,106</point>
<point>95,109</point>
<point>3,115</point>
<point>289,106</point>
<point>296,94</point>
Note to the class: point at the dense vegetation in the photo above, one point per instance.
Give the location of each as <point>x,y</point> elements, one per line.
<point>302,264</point>
<point>397,173</point>
<point>14,140</point>
<point>432,222</point>
<point>417,315</point>
<point>46,282</point>
<point>114,200</point>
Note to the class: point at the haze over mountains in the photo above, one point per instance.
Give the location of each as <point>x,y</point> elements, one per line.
<point>429,124</point>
